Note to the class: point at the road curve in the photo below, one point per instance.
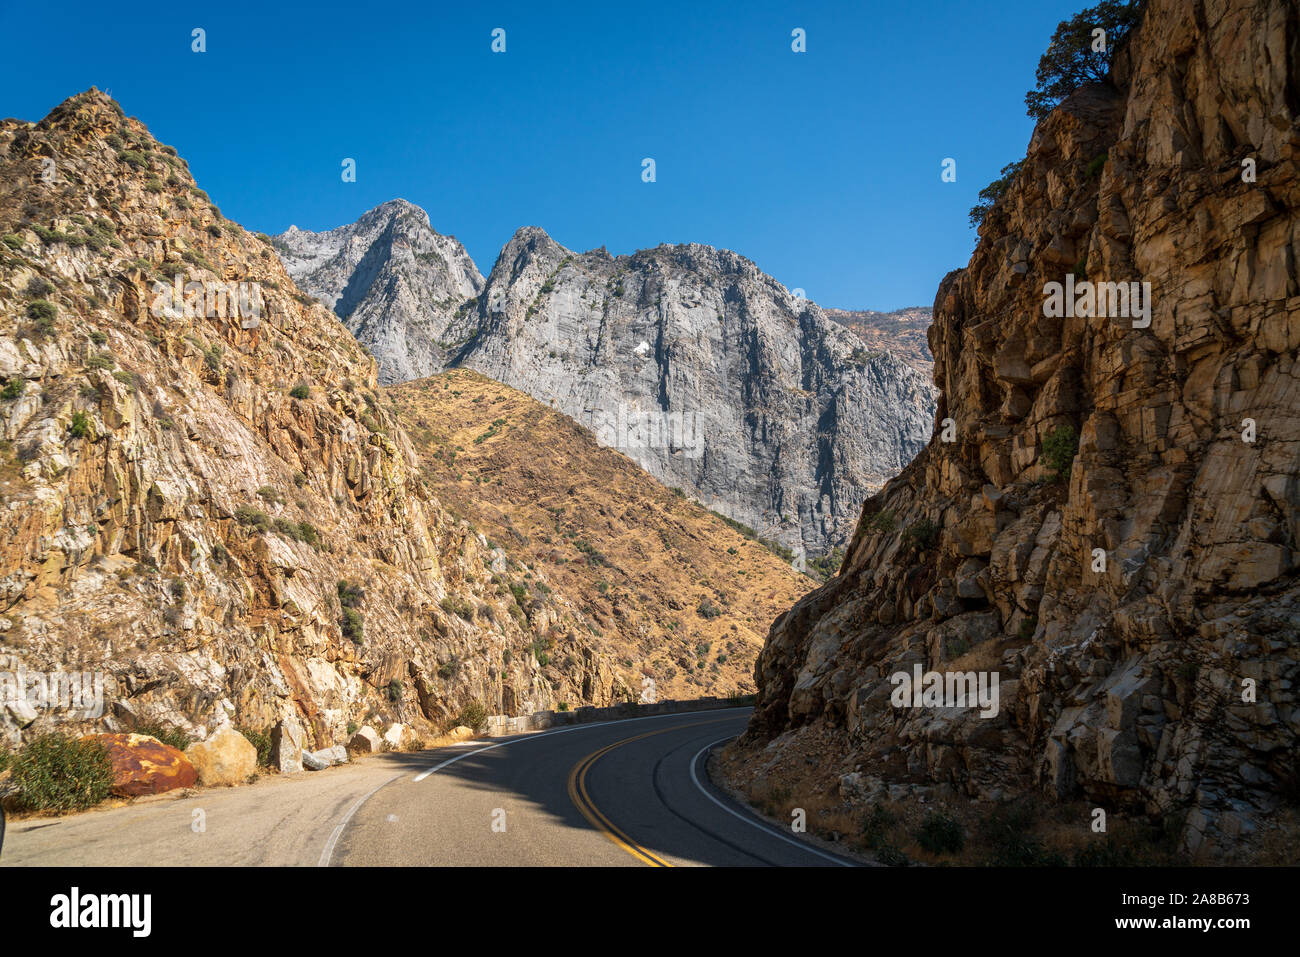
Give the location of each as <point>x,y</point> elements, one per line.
<point>626,793</point>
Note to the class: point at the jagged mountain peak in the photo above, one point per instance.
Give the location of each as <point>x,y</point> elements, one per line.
<point>528,245</point>
<point>76,107</point>
<point>399,209</point>
<point>692,257</point>
<point>531,235</point>
<point>395,282</point>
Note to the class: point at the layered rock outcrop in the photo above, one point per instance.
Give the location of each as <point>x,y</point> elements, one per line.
<point>208,504</point>
<point>1143,609</point>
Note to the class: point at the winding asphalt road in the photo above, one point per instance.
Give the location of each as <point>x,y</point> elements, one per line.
<point>624,793</point>
<point>628,793</point>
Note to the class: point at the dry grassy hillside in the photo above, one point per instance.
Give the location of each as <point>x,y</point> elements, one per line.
<point>669,590</point>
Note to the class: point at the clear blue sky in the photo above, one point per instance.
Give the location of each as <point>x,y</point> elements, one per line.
<point>823,167</point>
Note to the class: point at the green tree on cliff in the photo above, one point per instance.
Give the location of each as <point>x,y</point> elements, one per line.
<point>1078,54</point>
<point>991,193</point>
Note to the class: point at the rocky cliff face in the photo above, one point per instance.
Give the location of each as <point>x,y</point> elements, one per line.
<point>707,373</point>
<point>1143,610</point>
<point>393,280</point>
<point>206,498</point>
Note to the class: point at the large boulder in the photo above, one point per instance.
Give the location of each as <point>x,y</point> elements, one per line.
<point>366,741</point>
<point>315,761</point>
<point>225,759</point>
<point>286,746</point>
<point>394,736</point>
<point>144,765</point>
<point>324,758</point>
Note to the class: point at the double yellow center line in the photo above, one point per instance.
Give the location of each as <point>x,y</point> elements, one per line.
<point>583,802</point>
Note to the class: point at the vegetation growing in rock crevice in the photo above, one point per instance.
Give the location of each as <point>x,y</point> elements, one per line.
<point>922,534</point>
<point>460,607</point>
<point>882,521</point>
<point>353,625</point>
<point>79,427</point>
<point>351,622</point>
<point>1060,446</point>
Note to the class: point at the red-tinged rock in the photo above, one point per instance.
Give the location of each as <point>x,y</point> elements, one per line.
<point>144,765</point>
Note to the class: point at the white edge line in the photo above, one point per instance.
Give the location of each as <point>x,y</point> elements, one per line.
<point>328,851</point>
<point>749,820</point>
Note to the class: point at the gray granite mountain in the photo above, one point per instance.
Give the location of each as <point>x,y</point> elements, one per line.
<point>693,362</point>
<point>393,280</point>
<point>709,374</point>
